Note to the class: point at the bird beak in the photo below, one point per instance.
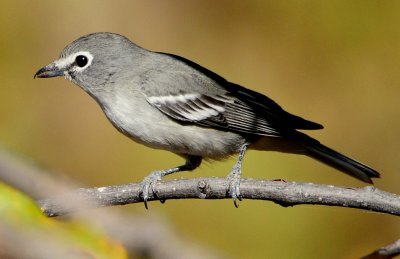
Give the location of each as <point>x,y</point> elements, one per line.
<point>51,70</point>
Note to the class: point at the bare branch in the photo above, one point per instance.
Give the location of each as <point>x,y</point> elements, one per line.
<point>27,177</point>
<point>280,192</point>
<point>24,176</point>
<point>389,251</point>
<point>149,236</point>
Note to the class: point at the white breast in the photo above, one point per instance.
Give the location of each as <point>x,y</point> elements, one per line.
<point>147,125</point>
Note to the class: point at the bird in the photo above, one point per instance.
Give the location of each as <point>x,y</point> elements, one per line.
<point>168,102</point>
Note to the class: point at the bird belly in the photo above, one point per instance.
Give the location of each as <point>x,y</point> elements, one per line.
<point>146,125</point>
<point>192,140</point>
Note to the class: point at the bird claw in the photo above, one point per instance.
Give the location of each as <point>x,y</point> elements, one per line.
<point>149,183</point>
<point>233,179</point>
<point>233,185</point>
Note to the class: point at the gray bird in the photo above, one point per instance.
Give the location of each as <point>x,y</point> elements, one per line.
<point>168,102</point>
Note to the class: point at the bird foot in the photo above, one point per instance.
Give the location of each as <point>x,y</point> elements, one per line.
<point>233,184</point>
<point>233,179</point>
<point>149,184</point>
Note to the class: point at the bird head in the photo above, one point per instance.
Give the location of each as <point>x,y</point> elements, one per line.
<point>92,60</point>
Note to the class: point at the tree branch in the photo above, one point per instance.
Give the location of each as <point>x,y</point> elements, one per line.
<point>280,192</point>
<point>151,236</point>
<point>386,252</point>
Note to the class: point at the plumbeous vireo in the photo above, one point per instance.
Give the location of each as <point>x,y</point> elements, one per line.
<point>168,102</point>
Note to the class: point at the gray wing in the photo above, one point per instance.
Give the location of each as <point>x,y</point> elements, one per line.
<point>192,94</point>
<point>218,111</point>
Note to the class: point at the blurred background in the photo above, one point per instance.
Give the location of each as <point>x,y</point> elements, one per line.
<point>333,62</point>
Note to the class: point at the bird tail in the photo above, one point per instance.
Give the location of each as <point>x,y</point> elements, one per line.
<point>341,162</point>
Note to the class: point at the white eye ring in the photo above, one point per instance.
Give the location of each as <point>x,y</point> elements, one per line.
<point>85,55</point>
<point>71,61</point>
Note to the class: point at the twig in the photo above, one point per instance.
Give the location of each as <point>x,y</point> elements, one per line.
<point>280,192</point>
<point>24,175</point>
<point>146,236</point>
<point>389,251</point>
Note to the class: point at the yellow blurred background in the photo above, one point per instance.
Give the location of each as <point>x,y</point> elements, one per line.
<point>333,62</point>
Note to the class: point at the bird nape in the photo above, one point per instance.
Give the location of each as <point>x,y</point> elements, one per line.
<point>168,102</point>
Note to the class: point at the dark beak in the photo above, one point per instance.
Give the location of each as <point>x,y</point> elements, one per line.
<point>50,70</point>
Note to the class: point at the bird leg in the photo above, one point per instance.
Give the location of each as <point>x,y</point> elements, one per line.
<point>233,179</point>
<point>150,181</point>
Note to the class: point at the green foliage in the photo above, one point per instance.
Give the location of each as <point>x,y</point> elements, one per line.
<point>19,214</point>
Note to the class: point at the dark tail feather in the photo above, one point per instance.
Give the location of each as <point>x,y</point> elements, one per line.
<point>341,162</point>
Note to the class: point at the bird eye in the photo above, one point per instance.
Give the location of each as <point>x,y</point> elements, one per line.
<point>81,60</point>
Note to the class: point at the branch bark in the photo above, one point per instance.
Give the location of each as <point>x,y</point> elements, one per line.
<point>386,252</point>
<point>151,236</point>
<point>280,192</point>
